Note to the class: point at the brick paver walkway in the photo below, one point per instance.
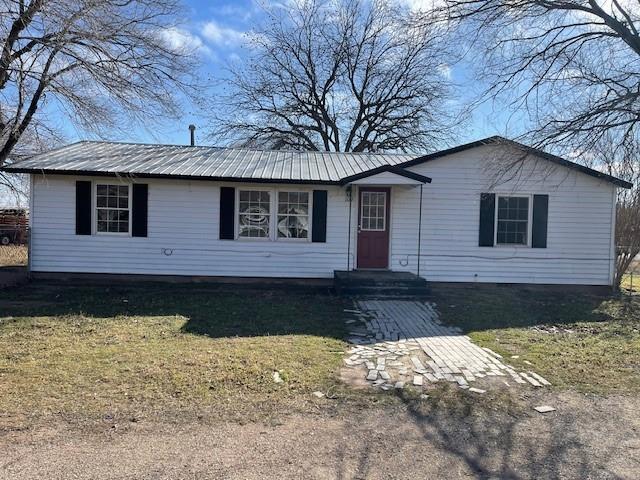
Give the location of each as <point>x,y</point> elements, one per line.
<point>401,341</point>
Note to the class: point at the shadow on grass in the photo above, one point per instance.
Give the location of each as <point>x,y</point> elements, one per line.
<point>485,307</point>
<point>210,310</point>
<point>474,439</point>
<point>223,311</point>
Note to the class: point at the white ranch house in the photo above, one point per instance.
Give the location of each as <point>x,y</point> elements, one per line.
<point>119,208</point>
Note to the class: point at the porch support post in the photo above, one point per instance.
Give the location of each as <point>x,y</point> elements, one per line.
<point>419,228</point>
<point>350,193</point>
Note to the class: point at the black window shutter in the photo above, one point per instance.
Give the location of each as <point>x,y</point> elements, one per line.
<point>227,213</point>
<point>139,209</point>
<point>83,208</point>
<point>319,223</point>
<point>540,218</point>
<point>487,219</point>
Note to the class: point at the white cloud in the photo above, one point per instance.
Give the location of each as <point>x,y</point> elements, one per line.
<point>445,70</point>
<point>422,5</point>
<point>237,11</point>
<point>224,36</point>
<point>184,41</point>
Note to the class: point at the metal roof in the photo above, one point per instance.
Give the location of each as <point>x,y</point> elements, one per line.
<point>240,164</point>
<point>94,157</point>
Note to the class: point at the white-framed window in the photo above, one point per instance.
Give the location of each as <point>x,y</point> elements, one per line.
<point>112,208</point>
<point>373,213</point>
<point>254,214</point>
<point>273,214</point>
<point>293,215</point>
<point>513,220</point>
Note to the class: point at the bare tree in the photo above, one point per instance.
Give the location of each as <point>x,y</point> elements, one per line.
<point>573,65</point>
<point>349,75</point>
<point>627,236</point>
<point>622,162</point>
<point>99,63</point>
<point>14,187</point>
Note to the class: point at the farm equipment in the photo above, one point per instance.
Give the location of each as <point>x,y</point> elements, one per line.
<point>14,223</point>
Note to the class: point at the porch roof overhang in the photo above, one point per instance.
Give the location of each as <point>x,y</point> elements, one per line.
<point>386,175</point>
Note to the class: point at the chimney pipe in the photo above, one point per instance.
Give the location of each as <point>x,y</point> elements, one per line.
<point>192,129</point>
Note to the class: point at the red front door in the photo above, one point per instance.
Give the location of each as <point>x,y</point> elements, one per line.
<point>373,228</point>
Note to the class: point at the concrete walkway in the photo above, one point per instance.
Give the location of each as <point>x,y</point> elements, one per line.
<point>401,341</point>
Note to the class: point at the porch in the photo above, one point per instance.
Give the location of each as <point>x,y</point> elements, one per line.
<point>385,219</point>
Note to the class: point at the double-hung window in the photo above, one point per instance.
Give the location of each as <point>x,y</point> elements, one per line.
<point>273,214</point>
<point>512,220</point>
<point>293,215</point>
<point>113,208</point>
<point>254,214</point>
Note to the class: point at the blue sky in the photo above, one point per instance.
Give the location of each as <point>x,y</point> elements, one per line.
<point>217,29</point>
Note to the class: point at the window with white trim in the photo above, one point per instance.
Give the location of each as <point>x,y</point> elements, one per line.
<point>273,214</point>
<point>512,221</point>
<point>254,214</point>
<point>113,208</point>
<point>293,215</point>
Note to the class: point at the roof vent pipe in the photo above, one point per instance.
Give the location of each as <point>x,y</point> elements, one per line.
<point>192,129</point>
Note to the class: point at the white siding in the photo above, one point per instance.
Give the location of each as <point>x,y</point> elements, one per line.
<point>579,242</point>
<point>183,218</point>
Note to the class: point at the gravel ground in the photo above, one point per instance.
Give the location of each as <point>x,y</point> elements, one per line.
<point>587,438</point>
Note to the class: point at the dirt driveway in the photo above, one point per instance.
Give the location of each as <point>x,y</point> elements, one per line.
<point>587,438</point>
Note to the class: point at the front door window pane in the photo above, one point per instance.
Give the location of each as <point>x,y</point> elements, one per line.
<point>373,211</point>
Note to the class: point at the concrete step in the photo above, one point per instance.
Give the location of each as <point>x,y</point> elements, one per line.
<point>383,283</point>
<point>372,277</point>
<point>380,283</point>
<point>382,290</point>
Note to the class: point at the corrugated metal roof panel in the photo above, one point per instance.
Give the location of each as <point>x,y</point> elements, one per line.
<point>92,157</point>
<point>214,162</point>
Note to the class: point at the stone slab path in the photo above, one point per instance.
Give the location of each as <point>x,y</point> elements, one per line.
<point>402,342</point>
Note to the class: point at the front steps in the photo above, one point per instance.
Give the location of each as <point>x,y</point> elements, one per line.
<point>380,284</point>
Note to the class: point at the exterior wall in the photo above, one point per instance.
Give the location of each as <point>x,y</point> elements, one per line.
<point>580,225</point>
<point>183,219</point>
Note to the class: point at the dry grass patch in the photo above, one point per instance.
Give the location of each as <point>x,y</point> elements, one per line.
<point>630,283</point>
<point>13,255</point>
<point>158,347</point>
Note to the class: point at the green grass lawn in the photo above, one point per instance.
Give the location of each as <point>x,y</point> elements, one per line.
<point>189,348</point>
<point>576,340</point>
<point>98,349</point>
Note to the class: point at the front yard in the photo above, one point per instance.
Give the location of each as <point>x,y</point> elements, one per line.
<point>95,350</point>
<point>176,381</point>
<point>98,350</point>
